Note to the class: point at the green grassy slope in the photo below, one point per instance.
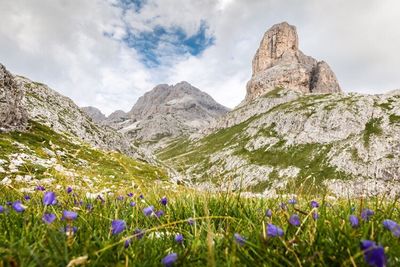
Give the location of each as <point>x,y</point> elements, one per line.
<point>47,154</point>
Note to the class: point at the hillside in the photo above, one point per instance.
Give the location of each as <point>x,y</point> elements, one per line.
<point>344,143</point>
<point>40,156</point>
<point>60,113</point>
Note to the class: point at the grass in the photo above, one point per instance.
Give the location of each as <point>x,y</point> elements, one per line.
<point>372,127</point>
<point>26,241</point>
<point>98,164</point>
<point>310,158</point>
<point>393,118</point>
<point>328,241</point>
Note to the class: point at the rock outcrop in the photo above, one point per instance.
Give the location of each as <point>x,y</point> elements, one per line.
<point>278,62</point>
<point>12,113</point>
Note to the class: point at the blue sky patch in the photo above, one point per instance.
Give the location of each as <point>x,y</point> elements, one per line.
<point>156,47</point>
<point>137,5</point>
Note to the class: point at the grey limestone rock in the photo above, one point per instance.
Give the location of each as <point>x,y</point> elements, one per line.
<point>278,62</point>
<point>12,112</point>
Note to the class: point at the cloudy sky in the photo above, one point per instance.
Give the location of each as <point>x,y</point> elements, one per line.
<point>107,53</point>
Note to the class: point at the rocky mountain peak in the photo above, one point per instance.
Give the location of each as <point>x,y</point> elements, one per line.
<point>166,99</point>
<point>165,113</point>
<point>94,113</point>
<point>278,62</point>
<point>278,43</point>
<point>12,113</point>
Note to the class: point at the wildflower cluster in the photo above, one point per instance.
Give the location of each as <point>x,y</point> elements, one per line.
<point>183,231</point>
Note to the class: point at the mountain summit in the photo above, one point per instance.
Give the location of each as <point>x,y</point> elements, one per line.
<point>167,112</point>
<point>278,62</point>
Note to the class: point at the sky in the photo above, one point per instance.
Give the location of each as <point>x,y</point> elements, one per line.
<point>107,53</point>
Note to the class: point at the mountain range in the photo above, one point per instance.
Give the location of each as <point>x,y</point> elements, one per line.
<point>295,128</point>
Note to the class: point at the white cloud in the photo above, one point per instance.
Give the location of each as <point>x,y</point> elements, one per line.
<point>62,43</point>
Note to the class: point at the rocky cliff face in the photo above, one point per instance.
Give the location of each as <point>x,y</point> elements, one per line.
<point>12,113</point>
<point>278,62</point>
<point>165,113</point>
<point>60,113</point>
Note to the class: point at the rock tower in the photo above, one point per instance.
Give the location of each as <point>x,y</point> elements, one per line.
<point>278,62</point>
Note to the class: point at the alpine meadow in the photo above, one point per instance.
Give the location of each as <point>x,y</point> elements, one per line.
<point>290,169</point>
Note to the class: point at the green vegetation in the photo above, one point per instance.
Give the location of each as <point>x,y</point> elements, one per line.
<point>372,127</point>
<point>81,158</point>
<point>274,93</point>
<point>310,158</point>
<point>182,153</point>
<point>328,241</point>
<point>393,118</point>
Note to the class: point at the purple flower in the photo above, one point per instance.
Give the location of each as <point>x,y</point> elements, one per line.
<point>164,201</point>
<point>148,210</point>
<point>89,207</point>
<point>18,207</point>
<point>127,243</point>
<point>366,214</point>
<point>27,197</point>
<point>353,221</point>
<point>78,203</point>
<point>9,203</point>
<point>139,233</point>
<point>159,213</point>
<point>70,230</point>
<point>315,215</point>
<point>392,226</point>
<point>40,188</point>
<point>191,221</point>
<point>69,215</point>
<point>273,230</point>
<point>48,218</point>
<point>69,190</point>
<point>133,203</point>
<point>169,260</point>
<point>374,255</point>
<point>239,239</point>
<point>130,194</point>
<point>1,209</point>
<point>141,196</point>
<point>179,238</point>
<point>268,213</point>
<point>120,198</point>
<point>314,204</point>
<point>49,198</point>
<point>117,226</point>
<point>292,201</point>
<point>294,220</point>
